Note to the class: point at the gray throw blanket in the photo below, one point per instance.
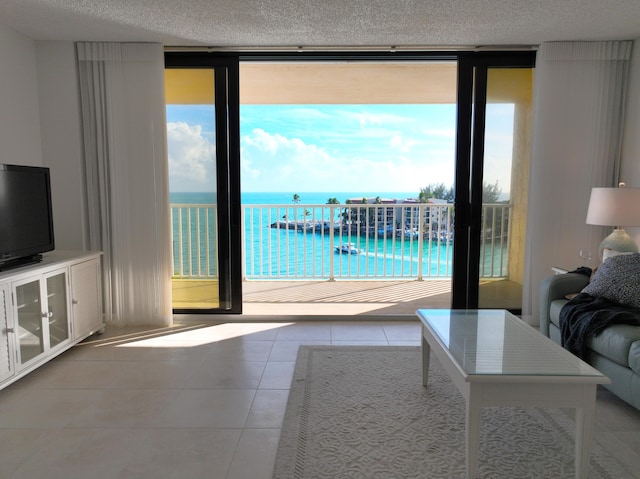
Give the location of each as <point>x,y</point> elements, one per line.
<point>585,316</point>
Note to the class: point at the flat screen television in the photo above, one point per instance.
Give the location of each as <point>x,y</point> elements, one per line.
<point>26,220</point>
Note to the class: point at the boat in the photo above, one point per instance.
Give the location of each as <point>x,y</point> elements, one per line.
<point>347,248</point>
<point>407,233</point>
<point>385,230</point>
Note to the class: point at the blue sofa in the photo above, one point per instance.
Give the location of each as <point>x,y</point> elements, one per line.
<point>615,352</point>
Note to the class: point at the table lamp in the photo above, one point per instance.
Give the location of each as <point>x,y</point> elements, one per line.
<point>615,207</point>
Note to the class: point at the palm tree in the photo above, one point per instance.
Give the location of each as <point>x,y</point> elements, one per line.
<point>334,201</point>
<point>438,191</point>
<point>296,198</point>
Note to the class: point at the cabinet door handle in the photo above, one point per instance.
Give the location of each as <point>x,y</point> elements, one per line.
<point>9,330</point>
<point>75,301</point>
<point>47,314</point>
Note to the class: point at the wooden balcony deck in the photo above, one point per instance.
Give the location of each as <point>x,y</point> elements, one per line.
<point>346,297</point>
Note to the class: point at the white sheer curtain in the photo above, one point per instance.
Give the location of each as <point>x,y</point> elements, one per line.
<point>579,99</point>
<point>123,116</point>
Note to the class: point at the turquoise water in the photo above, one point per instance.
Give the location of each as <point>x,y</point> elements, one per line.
<point>282,253</point>
<point>285,198</point>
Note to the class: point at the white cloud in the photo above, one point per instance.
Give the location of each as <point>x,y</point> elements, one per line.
<point>273,160</point>
<point>191,158</point>
<point>442,133</point>
<point>400,143</point>
<point>304,113</point>
<point>374,119</point>
<point>278,163</point>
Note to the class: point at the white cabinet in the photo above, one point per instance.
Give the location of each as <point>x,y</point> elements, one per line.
<point>6,332</point>
<point>47,308</point>
<point>86,298</point>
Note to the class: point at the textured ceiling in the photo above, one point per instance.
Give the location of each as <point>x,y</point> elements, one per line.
<point>324,23</point>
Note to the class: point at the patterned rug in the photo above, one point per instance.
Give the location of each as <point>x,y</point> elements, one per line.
<point>361,412</point>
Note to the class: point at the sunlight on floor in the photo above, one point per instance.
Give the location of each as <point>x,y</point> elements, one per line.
<point>201,336</point>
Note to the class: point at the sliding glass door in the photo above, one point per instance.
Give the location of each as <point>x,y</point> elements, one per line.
<point>488,217</point>
<point>492,165</point>
<point>202,135</point>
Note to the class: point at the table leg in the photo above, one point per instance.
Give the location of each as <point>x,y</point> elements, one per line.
<point>426,352</point>
<point>584,431</point>
<point>473,431</point>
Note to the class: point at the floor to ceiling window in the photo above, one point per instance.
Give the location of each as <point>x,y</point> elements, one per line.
<point>507,139</point>
<point>493,141</point>
<point>192,186</point>
<point>200,126</point>
<point>324,142</point>
<point>349,170</point>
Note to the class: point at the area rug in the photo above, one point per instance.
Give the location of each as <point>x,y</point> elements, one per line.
<point>361,412</point>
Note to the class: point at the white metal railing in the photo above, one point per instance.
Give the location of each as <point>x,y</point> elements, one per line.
<point>354,241</point>
<point>193,239</point>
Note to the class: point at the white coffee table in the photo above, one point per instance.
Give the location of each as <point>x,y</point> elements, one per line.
<point>495,359</point>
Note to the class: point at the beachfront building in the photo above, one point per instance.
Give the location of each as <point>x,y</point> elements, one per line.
<point>399,217</point>
<point>372,221</point>
<point>436,220</point>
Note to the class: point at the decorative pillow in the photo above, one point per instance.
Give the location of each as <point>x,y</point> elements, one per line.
<point>618,280</point>
<point>610,253</point>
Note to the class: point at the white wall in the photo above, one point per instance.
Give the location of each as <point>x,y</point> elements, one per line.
<point>19,112</point>
<point>62,139</point>
<point>630,167</point>
<point>40,123</point>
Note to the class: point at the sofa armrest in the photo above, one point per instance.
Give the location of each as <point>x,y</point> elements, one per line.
<point>557,287</point>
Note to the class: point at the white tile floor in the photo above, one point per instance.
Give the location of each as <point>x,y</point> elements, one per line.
<point>193,402</point>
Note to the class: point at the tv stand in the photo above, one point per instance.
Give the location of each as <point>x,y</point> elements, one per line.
<point>46,308</point>
<point>25,260</point>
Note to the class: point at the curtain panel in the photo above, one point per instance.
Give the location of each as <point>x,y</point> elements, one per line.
<point>124,134</point>
<point>579,98</point>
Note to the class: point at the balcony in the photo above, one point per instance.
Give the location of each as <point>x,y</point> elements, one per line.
<point>293,252</point>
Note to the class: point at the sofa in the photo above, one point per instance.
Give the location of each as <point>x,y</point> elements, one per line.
<point>615,350</point>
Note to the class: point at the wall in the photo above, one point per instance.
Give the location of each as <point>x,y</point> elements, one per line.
<point>19,111</point>
<point>40,123</point>
<point>62,139</point>
<point>630,167</point>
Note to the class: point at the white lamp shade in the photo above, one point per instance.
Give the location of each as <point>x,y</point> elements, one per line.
<point>614,207</point>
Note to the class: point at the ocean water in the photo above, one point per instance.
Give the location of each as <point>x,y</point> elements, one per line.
<point>287,254</point>
<point>253,198</point>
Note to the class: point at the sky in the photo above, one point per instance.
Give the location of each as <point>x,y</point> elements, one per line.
<point>319,148</point>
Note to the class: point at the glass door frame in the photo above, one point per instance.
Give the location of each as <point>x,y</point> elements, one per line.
<point>470,140</point>
<point>227,125</point>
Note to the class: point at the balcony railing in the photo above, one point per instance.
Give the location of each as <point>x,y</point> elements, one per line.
<point>354,241</point>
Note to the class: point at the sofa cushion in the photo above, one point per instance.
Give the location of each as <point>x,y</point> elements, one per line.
<point>634,357</point>
<point>619,343</point>
<point>615,343</point>
<point>618,280</point>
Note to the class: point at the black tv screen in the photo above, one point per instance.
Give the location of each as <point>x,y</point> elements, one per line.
<point>26,221</point>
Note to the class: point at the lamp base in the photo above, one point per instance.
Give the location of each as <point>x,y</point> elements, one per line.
<point>619,241</point>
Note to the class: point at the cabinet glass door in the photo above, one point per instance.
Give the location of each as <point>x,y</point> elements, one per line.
<point>30,331</point>
<point>57,313</point>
